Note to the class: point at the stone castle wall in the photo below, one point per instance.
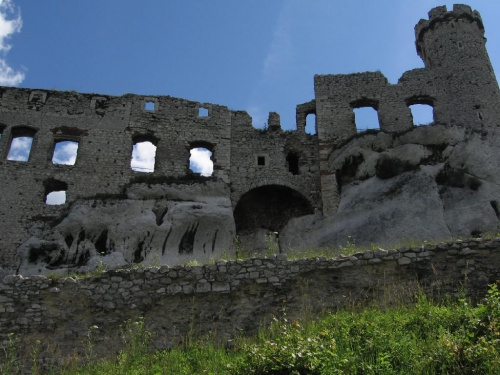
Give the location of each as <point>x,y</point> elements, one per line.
<point>106,129</point>
<point>231,297</point>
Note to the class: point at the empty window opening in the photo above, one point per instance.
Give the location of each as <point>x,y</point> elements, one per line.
<point>36,97</point>
<point>65,152</point>
<point>55,192</point>
<point>203,112</point>
<point>292,160</point>
<point>423,114</point>
<point>149,106</point>
<point>55,198</point>
<point>201,162</point>
<point>366,118</point>
<point>143,157</point>
<point>261,160</point>
<point>20,149</point>
<point>100,105</point>
<point>311,124</point>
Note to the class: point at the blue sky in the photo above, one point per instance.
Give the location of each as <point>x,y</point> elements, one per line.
<point>257,55</point>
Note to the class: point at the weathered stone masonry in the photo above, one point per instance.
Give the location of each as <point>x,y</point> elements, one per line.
<point>105,138</point>
<point>230,296</point>
<point>289,182</point>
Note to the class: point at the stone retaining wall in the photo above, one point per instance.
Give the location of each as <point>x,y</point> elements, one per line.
<point>231,297</point>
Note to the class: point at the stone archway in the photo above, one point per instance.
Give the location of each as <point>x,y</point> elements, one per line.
<point>262,212</point>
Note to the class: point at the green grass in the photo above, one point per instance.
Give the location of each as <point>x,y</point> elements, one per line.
<point>424,337</point>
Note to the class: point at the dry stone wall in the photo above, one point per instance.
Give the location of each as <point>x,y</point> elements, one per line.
<point>231,297</point>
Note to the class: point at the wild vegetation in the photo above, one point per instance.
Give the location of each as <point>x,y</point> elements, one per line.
<point>424,337</point>
<point>417,337</point>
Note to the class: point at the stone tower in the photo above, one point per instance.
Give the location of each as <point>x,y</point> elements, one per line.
<point>452,44</point>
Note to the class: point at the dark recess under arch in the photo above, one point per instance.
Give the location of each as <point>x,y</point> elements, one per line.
<point>270,207</point>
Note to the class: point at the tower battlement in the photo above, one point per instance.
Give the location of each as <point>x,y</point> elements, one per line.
<point>440,15</point>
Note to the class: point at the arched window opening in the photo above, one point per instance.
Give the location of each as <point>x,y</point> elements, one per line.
<point>422,114</point>
<point>143,157</point>
<point>20,145</point>
<point>311,124</point>
<point>55,192</point>
<point>292,160</point>
<point>65,152</point>
<point>366,118</point>
<point>201,162</point>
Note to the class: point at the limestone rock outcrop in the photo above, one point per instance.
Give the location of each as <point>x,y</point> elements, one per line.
<point>155,224</point>
<point>430,183</point>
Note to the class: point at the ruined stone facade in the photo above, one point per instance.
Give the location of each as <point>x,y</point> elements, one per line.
<point>312,189</point>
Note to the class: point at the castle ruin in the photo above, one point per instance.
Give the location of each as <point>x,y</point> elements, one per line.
<point>399,182</point>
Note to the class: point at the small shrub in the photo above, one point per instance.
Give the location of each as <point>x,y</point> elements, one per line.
<point>451,177</point>
<point>9,365</point>
<point>388,167</point>
<point>457,178</point>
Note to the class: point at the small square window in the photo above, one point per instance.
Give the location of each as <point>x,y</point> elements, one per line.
<point>37,97</point>
<point>100,104</point>
<point>149,106</point>
<point>261,160</point>
<point>203,112</point>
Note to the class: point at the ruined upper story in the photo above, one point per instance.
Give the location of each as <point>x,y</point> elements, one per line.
<point>106,128</point>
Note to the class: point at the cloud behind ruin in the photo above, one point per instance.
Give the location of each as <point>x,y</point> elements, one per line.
<point>10,23</point>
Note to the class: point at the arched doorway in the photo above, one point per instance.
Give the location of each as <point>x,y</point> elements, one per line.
<point>262,212</point>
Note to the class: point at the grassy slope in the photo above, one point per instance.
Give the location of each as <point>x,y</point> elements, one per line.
<point>422,338</point>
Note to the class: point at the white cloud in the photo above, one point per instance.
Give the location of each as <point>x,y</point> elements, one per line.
<point>20,149</point>
<point>10,23</point>
<point>143,157</point>
<point>65,153</point>
<point>200,162</point>
<point>56,198</point>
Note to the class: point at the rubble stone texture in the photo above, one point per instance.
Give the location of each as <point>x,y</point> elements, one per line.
<point>382,186</point>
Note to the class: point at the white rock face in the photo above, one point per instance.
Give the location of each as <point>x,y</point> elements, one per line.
<point>159,224</point>
<point>445,184</point>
